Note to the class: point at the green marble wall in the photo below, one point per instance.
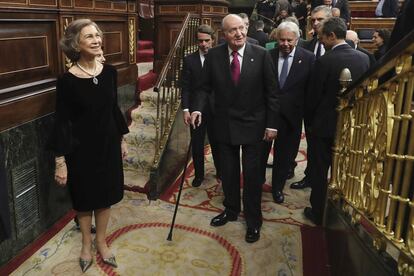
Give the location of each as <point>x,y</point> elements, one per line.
<point>29,142</point>
<point>20,144</point>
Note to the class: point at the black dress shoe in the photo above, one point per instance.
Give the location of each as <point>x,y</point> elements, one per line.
<point>252,234</point>
<point>222,219</point>
<point>197,182</point>
<point>278,196</point>
<point>301,184</point>
<point>310,215</point>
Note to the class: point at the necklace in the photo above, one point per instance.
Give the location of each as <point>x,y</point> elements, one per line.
<point>94,79</point>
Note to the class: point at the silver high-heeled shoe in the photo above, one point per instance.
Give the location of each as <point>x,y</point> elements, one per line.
<point>85,264</point>
<point>110,261</point>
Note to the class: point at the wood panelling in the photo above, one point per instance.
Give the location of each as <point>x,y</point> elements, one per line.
<point>132,7</point>
<point>188,8</point>
<point>30,59</point>
<point>113,43</point>
<point>84,4</point>
<point>46,3</point>
<point>27,49</point>
<point>23,110</point>
<point>35,54</point>
<point>13,2</point>
<point>66,3</point>
<point>103,5</point>
<point>365,24</point>
<point>364,8</point>
<point>170,16</point>
<point>168,9</point>
<point>120,6</point>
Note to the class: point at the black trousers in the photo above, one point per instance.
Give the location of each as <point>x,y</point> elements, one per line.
<point>285,150</point>
<point>198,136</point>
<point>321,148</point>
<point>308,150</point>
<point>252,184</point>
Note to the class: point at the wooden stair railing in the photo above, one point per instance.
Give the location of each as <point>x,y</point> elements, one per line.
<point>167,85</point>
<point>372,177</point>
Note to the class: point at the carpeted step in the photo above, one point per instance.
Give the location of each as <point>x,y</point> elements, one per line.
<point>149,97</point>
<point>141,147</point>
<point>136,181</point>
<point>146,81</point>
<point>144,44</point>
<point>144,68</point>
<point>145,55</point>
<point>144,115</point>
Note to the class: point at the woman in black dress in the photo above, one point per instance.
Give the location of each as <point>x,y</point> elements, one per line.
<point>88,136</point>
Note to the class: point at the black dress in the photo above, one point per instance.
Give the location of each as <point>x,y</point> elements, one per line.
<point>87,131</point>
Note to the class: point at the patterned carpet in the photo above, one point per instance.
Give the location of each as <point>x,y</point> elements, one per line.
<point>138,230</point>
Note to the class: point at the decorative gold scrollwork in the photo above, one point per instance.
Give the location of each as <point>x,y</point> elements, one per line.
<point>356,217</point>
<point>405,266</point>
<point>132,40</point>
<point>379,243</point>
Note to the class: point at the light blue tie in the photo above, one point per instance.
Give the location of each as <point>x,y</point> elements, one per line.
<point>284,72</point>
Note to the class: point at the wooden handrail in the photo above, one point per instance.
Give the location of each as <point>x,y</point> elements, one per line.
<point>167,63</point>
<point>386,63</point>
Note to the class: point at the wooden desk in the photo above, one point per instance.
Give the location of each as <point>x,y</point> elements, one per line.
<point>358,24</point>
<point>364,8</point>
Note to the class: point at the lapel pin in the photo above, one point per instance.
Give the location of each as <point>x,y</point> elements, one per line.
<point>300,61</point>
<point>252,60</point>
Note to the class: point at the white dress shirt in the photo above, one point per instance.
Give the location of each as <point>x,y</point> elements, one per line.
<point>240,54</point>
<point>316,48</point>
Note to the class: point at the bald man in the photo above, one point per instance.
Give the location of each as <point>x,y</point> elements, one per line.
<point>242,79</point>
<point>353,36</point>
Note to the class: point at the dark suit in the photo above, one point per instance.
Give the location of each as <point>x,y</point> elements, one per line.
<point>311,44</point>
<point>370,55</point>
<point>241,114</point>
<point>323,115</point>
<point>390,8</point>
<point>380,52</point>
<point>261,37</point>
<point>404,23</point>
<point>343,6</point>
<point>292,104</point>
<point>191,75</point>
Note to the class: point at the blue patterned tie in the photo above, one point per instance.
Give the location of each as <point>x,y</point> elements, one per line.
<point>284,72</point>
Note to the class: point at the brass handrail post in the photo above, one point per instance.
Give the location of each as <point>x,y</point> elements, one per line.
<point>406,159</point>
<point>345,79</point>
<point>395,199</point>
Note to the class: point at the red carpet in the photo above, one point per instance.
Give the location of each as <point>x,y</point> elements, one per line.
<point>146,81</point>
<point>145,51</point>
<point>315,258</point>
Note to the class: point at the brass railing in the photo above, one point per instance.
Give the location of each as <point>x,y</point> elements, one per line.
<point>372,170</point>
<point>167,85</point>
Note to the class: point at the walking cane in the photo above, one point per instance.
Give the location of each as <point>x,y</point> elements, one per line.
<point>169,238</point>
